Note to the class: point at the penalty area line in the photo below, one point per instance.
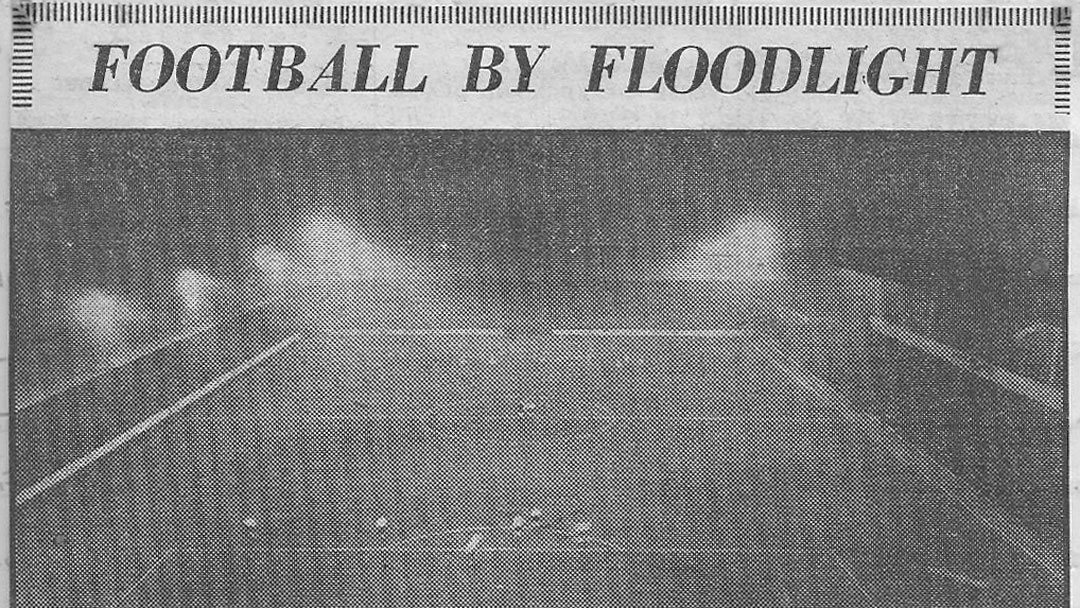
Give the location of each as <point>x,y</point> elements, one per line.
<point>77,465</point>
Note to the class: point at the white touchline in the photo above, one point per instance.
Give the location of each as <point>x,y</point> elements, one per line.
<point>474,542</point>
<point>1051,399</point>
<point>960,578</point>
<point>77,465</point>
<point>419,332</point>
<point>650,333</point>
<point>1016,536</point>
<point>142,352</point>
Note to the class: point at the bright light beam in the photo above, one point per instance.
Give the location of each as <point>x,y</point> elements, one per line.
<point>332,251</point>
<point>273,265</point>
<point>195,290</point>
<point>748,251</point>
<point>103,317</point>
<point>327,243</point>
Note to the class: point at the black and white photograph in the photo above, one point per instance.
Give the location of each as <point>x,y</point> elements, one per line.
<point>534,304</point>
<point>659,368</point>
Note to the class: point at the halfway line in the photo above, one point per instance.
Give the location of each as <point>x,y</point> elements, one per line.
<point>77,465</point>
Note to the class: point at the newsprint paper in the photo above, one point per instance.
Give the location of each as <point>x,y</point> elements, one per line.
<point>437,305</point>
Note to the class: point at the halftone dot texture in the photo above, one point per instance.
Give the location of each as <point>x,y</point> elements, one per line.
<point>538,368</point>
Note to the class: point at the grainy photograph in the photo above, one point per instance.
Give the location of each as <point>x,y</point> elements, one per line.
<point>795,369</point>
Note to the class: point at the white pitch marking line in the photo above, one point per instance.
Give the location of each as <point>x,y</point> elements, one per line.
<point>419,332</point>
<point>651,333</point>
<point>935,474</point>
<point>79,464</point>
<point>584,332</point>
<point>959,578</point>
<point>1049,397</point>
<point>474,542</point>
<point>130,358</point>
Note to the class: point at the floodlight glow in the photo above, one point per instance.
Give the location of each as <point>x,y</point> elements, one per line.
<point>332,251</point>
<point>326,234</point>
<point>758,247</point>
<point>273,264</point>
<point>327,243</point>
<point>101,315</point>
<point>748,251</point>
<point>195,290</point>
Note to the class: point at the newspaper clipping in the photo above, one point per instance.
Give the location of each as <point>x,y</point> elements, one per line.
<point>687,305</point>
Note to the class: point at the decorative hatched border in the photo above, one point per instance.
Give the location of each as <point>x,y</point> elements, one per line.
<point>548,15</point>
<point>1063,63</point>
<point>29,13</point>
<point>22,59</point>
